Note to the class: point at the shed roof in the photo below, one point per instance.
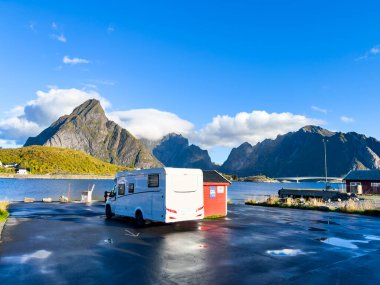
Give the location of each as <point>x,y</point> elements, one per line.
<point>371,175</point>
<point>214,176</point>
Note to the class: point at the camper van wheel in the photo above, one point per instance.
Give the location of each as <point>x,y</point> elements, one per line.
<point>108,212</point>
<point>139,219</point>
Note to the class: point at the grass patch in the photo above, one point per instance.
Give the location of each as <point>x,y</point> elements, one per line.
<point>361,207</point>
<point>3,211</point>
<point>54,160</point>
<point>215,217</point>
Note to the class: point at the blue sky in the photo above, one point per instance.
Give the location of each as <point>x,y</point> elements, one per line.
<point>192,67</point>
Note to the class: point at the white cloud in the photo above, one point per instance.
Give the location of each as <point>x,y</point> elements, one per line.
<point>110,29</point>
<point>374,51</point>
<point>320,110</point>
<point>30,119</point>
<point>347,120</point>
<point>61,38</point>
<point>249,127</point>
<point>102,82</point>
<point>8,144</point>
<point>151,123</point>
<point>74,60</point>
<point>54,26</point>
<point>32,26</point>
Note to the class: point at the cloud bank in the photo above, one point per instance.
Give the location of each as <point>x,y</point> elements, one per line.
<point>30,119</point>
<point>151,124</point>
<point>251,127</point>
<point>223,131</point>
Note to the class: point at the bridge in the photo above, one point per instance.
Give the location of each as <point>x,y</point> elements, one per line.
<point>310,178</point>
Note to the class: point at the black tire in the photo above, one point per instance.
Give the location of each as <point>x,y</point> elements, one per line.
<point>140,222</point>
<point>108,212</point>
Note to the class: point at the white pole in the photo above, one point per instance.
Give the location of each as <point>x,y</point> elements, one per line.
<point>324,144</point>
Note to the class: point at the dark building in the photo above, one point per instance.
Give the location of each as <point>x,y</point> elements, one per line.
<point>363,181</point>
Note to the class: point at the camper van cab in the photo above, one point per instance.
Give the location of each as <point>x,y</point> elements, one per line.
<point>161,194</point>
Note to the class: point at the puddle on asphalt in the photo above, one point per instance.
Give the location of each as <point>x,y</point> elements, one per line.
<point>286,252</point>
<point>371,237</point>
<point>39,255</point>
<point>312,229</point>
<point>346,243</point>
<point>108,241</point>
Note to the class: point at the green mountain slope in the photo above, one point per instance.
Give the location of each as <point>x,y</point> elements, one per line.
<point>53,160</point>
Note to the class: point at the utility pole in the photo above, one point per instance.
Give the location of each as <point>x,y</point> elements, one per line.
<point>324,144</point>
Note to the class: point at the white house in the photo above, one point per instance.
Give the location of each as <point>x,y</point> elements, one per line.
<point>11,165</point>
<point>22,171</point>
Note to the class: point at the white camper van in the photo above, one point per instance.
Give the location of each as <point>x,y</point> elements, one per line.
<point>161,194</point>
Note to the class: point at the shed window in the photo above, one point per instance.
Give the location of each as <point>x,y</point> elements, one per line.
<point>375,184</point>
<point>131,188</point>
<point>121,189</point>
<point>153,180</point>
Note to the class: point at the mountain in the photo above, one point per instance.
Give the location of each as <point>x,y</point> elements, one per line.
<point>174,151</point>
<point>45,160</point>
<point>301,153</point>
<point>88,129</point>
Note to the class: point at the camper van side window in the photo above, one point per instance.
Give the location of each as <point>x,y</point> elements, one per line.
<point>131,188</point>
<point>121,189</point>
<point>153,180</point>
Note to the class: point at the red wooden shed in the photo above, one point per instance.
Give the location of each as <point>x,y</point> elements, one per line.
<point>363,181</point>
<point>215,193</point>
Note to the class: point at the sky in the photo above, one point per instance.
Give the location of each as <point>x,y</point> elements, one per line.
<point>221,73</point>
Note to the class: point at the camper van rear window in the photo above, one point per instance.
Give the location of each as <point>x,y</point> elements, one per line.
<point>153,180</point>
<point>121,189</point>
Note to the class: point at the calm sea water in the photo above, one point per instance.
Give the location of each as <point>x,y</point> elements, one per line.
<point>238,192</point>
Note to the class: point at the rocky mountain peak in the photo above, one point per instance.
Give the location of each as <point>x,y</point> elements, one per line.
<point>174,151</point>
<point>175,139</point>
<point>88,129</point>
<point>90,112</point>
<point>316,130</point>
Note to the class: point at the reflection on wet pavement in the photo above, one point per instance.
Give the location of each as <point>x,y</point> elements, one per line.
<point>74,244</point>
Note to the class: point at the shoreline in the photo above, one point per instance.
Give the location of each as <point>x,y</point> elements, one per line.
<point>1,230</point>
<point>322,208</point>
<point>58,176</point>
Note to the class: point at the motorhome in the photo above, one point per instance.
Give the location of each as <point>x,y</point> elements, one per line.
<point>161,194</point>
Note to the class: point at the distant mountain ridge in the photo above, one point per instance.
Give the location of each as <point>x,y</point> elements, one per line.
<point>175,151</point>
<point>301,153</point>
<point>88,129</point>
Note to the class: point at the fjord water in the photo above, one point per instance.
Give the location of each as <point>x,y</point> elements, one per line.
<point>238,192</point>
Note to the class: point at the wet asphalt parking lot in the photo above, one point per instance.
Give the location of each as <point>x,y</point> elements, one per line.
<point>74,244</point>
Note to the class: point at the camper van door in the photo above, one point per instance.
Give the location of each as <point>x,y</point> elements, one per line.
<point>120,194</point>
<point>158,197</point>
